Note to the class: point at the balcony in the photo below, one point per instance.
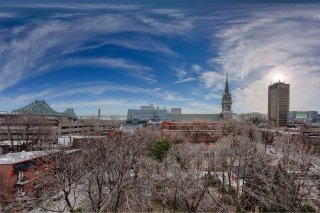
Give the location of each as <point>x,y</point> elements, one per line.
<point>22,181</point>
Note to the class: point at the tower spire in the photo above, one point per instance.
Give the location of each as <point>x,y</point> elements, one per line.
<point>226,89</point>
<point>226,102</point>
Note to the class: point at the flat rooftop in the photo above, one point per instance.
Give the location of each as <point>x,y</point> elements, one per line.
<point>16,157</point>
<point>14,142</point>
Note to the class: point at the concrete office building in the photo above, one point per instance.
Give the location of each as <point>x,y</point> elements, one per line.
<point>38,118</point>
<point>303,116</point>
<point>278,104</point>
<point>146,113</point>
<point>176,111</point>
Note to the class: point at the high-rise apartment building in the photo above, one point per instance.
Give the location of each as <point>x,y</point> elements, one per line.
<point>278,104</point>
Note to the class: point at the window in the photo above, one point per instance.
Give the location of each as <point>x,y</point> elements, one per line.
<point>20,191</point>
<point>35,169</point>
<point>20,176</point>
<point>46,178</point>
<point>36,183</point>
<point>45,165</point>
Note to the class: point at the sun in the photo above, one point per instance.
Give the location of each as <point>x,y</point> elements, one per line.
<point>279,73</point>
<point>278,77</point>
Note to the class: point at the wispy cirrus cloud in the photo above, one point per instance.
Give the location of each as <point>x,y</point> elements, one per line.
<point>45,46</point>
<point>136,43</point>
<point>190,79</point>
<point>196,68</point>
<point>177,26</point>
<point>73,6</point>
<point>88,91</point>
<point>187,74</point>
<point>144,46</point>
<point>115,106</point>
<point>136,70</point>
<point>213,79</point>
<point>201,107</point>
<point>7,15</point>
<point>170,96</point>
<point>181,73</point>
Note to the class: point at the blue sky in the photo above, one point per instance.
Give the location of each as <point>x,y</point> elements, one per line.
<point>115,56</point>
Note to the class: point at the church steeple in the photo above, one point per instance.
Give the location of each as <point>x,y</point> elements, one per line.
<point>226,102</point>
<point>226,89</point>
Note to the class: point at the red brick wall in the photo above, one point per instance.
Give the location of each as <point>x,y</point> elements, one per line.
<point>8,180</point>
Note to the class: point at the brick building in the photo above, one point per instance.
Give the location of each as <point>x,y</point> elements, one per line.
<point>22,176</point>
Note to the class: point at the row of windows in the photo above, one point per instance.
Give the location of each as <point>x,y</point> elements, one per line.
<point>22,178</point>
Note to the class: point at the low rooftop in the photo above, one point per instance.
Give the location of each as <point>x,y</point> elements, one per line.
<point>195,117</point>
<point>14,142</point>
<point>16,157</point>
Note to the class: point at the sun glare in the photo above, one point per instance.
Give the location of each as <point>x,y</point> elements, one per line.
<point>279,73</point>
<point>278,77</point>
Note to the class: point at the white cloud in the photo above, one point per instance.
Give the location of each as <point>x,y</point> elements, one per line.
<point>89,91</point>
<point>7,15</point>
<point>42,48</point>
<point>170,96</point>
<point>213,96</point>
<point>201,108</point>
<point>196,68</point>
<point>213,79</point>
<point>188,74</point>
<point>176,26</point>
<point>181,73</point>
<point>176,13</point>
<point>108,106</point>
<point>269,44</point>
<point>144,45</point>
<point>185,80</point>
<point>73,6</point>
<point>138,71</point>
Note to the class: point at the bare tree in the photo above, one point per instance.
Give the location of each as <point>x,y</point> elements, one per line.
<point>64,172</point>
<point>115,172</point>
<point>180,183</point>
<point>28,131</point>
<point>237,173</point>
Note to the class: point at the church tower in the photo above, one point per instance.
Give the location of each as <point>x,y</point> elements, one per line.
<point>226,102</point>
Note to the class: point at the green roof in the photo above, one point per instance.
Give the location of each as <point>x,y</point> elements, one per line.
<point>195,117</point>
<point>40,107</point>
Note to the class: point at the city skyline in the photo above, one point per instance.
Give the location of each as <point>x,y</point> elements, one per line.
<point>117,56</point>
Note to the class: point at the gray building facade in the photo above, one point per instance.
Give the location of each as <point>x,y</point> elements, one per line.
<point>145,114</point>
<point>278,104</point>
<point>304,116</point>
